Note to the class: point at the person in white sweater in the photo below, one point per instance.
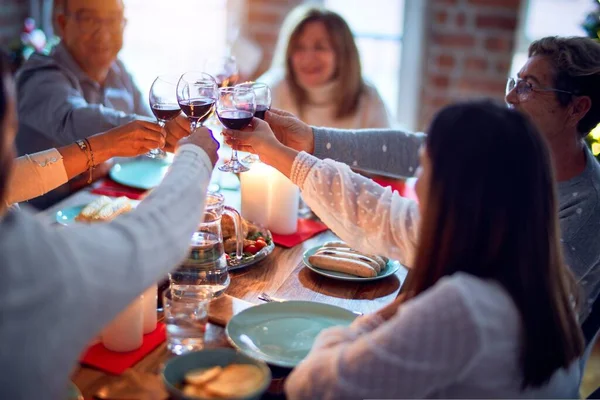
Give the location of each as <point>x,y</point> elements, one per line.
<point>316,73</point>
<point>61,286</point>
<point>488,312</point>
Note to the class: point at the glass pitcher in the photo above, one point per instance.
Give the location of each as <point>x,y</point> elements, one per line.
<point>206,265</point>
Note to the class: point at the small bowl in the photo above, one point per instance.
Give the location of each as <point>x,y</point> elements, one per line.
<point>173,373</point>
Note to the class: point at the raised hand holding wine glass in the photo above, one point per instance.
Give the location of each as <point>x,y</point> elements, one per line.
<point>163,102</point>
<point>196,95</point>
<point>262,91</point>
<point>235,109</point>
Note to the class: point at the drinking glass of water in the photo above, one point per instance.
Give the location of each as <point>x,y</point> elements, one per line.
<point>186,316</point>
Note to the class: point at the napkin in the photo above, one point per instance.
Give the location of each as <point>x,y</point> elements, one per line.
<point>307,228</point>
<point>108,187</point>
<point>116,363</point>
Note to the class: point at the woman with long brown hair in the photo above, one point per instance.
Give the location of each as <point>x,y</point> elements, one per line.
<point>490,309</point>
<point>316,73</point>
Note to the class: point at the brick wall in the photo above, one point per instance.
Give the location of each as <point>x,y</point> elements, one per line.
<point>468,53</point>
<point>12,14</point>
<point>468,46</point>
<point>264,18</point>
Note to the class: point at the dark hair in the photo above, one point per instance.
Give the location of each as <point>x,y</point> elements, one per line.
<point>348,70</point>
<point>6,146</point>
<point>576,62</point>
<point>492,213</point>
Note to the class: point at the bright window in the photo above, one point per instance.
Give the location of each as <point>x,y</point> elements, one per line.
<point>172,36</point>
<point>549,18</point>
<point>378,30</point>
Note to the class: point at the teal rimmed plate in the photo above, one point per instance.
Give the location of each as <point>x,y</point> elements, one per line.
<point>390,269</point>
<point>141,173</point>
<point>174,371</point>
<point>67,215</point>
<point>283,333</point>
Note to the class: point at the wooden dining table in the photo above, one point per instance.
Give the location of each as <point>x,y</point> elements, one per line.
<point>282,274</point>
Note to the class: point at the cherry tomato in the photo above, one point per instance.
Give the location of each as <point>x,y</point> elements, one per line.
<point>260,238</point>
<point>252,249</point>
<point>227,256</point>
<point>260,244</point>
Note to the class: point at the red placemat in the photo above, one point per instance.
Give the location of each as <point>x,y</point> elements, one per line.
<point>116,363</point>
<point>395,184</point>
<point>111,188</point>
<point>405,189</point>
<point>307,228</point>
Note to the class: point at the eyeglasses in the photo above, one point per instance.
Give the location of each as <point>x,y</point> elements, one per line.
<point>525,88</point>
<point>89,23</point>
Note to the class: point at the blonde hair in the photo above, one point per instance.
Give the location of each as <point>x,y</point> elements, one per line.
<point>576,63</point>
<point>348,70</point>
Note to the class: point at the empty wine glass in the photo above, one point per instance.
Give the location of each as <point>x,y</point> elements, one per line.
<point>196,95</point>
<point>262,91</point>
<point>235,110</point>
<point>224,70</point>
<point>163,102</point>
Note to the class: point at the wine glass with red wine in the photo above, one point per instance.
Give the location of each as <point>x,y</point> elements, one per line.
<point>224,70</point>
<point>235,109</point>
<point>262,91</point>
<point>163,102</point>
<point>196,95</point>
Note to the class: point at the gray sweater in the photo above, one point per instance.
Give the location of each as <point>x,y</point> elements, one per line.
<point>393,152</point>
<point>58,104</point>
<point>60,286</point>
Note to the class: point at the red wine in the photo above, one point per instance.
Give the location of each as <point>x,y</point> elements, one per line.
<point>260,112</point>
<point>165,112</point>
<point>235,119</point>
<point>198,108</point>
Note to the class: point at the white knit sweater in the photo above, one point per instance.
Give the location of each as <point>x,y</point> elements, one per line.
<point>460,339</point>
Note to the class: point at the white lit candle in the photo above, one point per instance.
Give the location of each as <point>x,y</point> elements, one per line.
<point>283,204</point>
<point>150,303</point>
<point>125,332</point>
<point>255,193</point>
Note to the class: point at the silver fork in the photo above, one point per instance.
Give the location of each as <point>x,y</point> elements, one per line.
<point>270,299</point>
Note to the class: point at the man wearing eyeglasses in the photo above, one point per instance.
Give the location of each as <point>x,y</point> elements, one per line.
<point>81,88</point>
<point>559,89</point>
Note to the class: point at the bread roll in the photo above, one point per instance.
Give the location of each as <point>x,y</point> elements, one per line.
<point>347,266</point>
<point>337,244</point>
<point>351,255</point>
<point>201,376</point>
<point>382,261</point>
<point>92,209</point>
<point>113,209</point>
<point>235,381</point>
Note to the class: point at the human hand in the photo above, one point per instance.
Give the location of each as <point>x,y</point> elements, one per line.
<point>176,129</point>
<point>256,138</point>
<point>129,140</point>
<point>391,309</point>
<point>290,131</point>
<point>202,137</point>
